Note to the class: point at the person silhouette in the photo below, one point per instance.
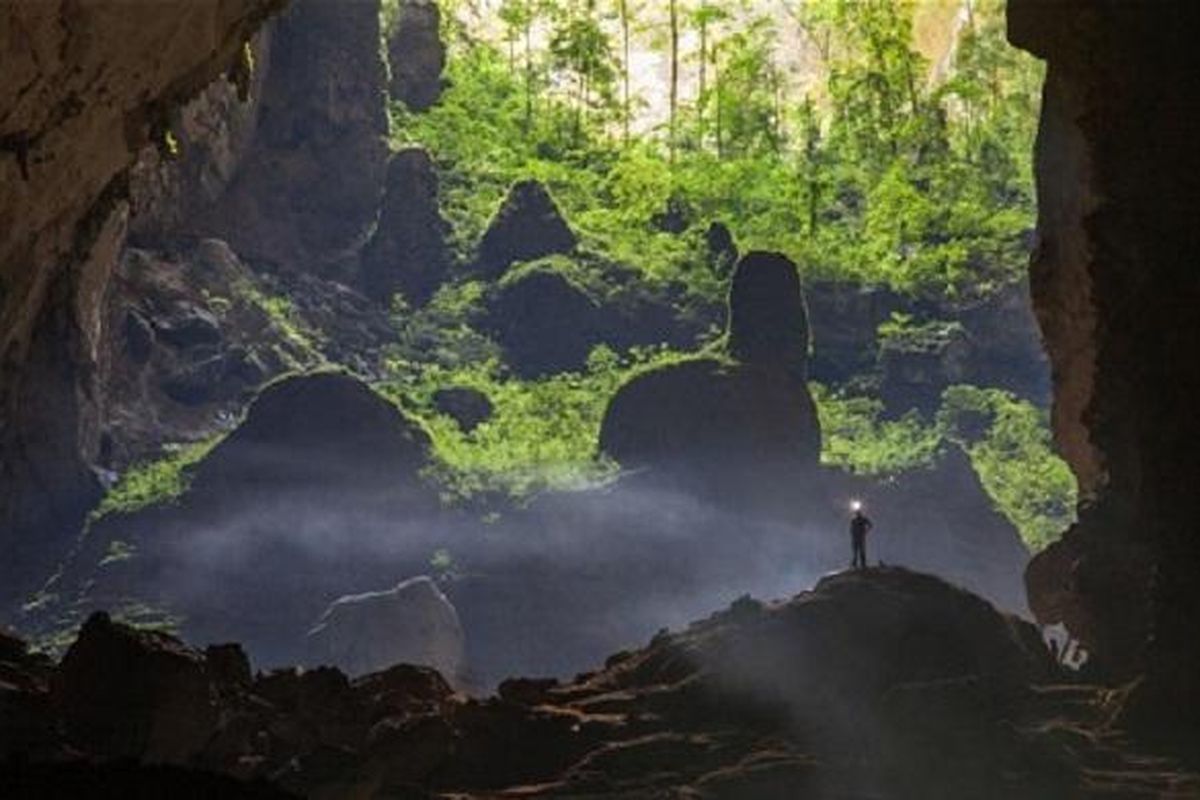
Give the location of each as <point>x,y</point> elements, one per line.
<point>860,525</point>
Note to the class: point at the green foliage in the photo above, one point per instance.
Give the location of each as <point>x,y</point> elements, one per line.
<point>901,332</point>
<point>1006,438</point>
<point>155,482</point>
<point>856,439</point>
<point>542,434</point>
<point>1015,461</point>
<point>879,176</point>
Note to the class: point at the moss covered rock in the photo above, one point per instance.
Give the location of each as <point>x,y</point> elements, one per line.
<point>527,226</point>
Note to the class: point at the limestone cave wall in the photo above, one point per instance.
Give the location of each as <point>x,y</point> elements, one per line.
<point>84,87</point>
<point>1115,286</point>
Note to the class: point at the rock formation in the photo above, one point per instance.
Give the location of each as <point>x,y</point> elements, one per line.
<point>82,95</point>
<point>759,700</point>
<point>469,407</point>
<point>417,54</point>
<point>171,188</point>
<point>307,193</point>
<point>545,322</point>
<point>989,341</point>
<point>527,226</point>
<point>721,249</point>
<point>408,251</point>
<point>1113,281</point>
<point>127,693</point>
<point>412,623</point>
<point>314,494</point>
<point>916,367</point>
<point>186,345</point>
<point>768,322</point>
<point>731,426</point>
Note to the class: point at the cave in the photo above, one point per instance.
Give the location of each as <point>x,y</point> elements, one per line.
<point>154,157</point>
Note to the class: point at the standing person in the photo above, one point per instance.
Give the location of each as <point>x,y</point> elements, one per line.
<point>860,525</point>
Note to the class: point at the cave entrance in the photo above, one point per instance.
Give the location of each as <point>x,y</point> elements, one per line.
<point>523,219</point>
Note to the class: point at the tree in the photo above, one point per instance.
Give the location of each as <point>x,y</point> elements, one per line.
<point>582,49</point>
<point>749,92</point>
<point>623,13</point>
<point>673,21</point>
<point>703,19</point>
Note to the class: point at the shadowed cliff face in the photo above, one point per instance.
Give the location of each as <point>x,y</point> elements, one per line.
<point>1114,284</point>
<point>80,94</point>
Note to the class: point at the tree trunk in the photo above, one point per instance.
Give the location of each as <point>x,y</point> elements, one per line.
<point>625,68</point>
<point>674,107</point>
<point>703,82</point>
<point>529,73</point>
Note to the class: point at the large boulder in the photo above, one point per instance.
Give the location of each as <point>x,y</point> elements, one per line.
<point>127,693</point>
<point>316,491</point>
<point>527,226</point>
<point>545,322</point>
<point>321,434</point>
<point>408,252</point>
<point>416,53</point>
<point>710,415</point>
<point>732,427</point>
<point>469,407</point>
<point>412,623</point>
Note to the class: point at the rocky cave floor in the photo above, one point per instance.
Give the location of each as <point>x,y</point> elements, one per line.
<point>875,684</point>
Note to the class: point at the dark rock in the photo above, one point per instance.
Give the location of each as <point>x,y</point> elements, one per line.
<point>768,322</point>
<point>1096,583</point>
<point>845,319</point>
<point>307,191</point>
<point>134,694</point>
<point>469,407</point>
<point>1113,284</point>
<point>196,383</point>
<point>413,623</point>
<point>407,253</point>
<point>404,689</point>
<point>70,139</point>
<point>675,218</point>
<point>545,322</point>
<point>743,428</point>
<point>918,365</point>
<point>316,492</point>
<point>321,429</point>
<point>139,337</point>
<point>228,666</point>
<point>721,249</point>
<point>526,691</point>
<point>730,429</point>
<point>129,779</point>
<point>416,54</point>
<point>527,226</point>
